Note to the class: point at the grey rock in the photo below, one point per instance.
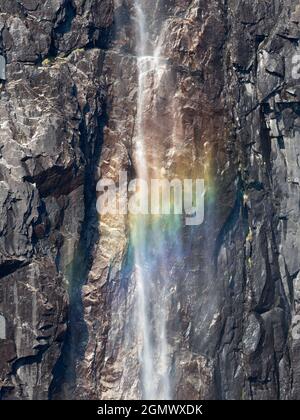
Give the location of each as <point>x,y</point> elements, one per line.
<point>2,68</point>
<point>67,115</point>
<point>2,328</point>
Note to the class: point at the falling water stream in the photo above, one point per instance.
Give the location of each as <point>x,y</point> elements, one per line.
<point>150,234</point>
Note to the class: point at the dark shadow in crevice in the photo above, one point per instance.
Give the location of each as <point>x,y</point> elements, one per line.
<point>10,266</point>
<point>64,373</point>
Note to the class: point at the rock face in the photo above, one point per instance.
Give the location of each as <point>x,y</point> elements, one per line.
<point>229,101</point>
<point>52,113</point>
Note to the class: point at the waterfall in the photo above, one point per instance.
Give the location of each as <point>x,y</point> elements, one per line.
<point>150,242</point>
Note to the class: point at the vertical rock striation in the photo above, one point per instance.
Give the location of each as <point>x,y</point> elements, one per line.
<point>227,109</point>
<point>51,123</point>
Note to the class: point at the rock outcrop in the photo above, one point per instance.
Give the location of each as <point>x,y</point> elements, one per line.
<point>230,102</point>
<point>52,114</point>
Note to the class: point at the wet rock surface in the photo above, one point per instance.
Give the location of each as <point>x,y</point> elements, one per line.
<point>67,117</point>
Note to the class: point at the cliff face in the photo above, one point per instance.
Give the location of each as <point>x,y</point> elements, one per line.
<point>224,105</point>
<point>51,118</point>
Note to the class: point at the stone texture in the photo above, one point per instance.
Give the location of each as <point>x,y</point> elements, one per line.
<point>51,119</point>
<point>67,116</point>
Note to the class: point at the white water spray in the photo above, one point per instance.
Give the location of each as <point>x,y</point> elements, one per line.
<point>151,278</point>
